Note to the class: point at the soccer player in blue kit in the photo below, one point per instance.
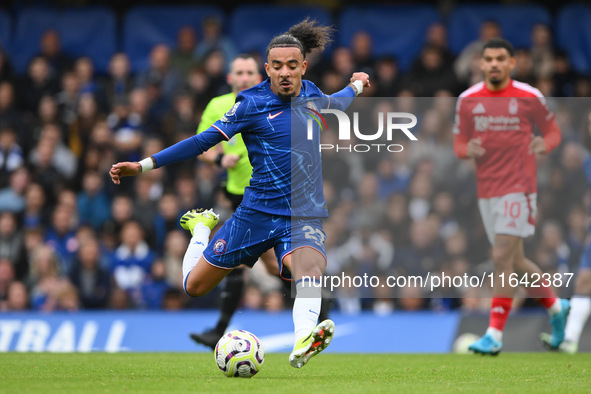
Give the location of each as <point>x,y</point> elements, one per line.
<point>284,205</point>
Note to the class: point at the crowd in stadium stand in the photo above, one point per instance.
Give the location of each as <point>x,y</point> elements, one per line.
<point>71,240</point>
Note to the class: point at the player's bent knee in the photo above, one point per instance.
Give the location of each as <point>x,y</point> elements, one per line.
<point>196,289</point>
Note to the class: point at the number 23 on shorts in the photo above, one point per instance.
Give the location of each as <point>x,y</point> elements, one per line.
<point>315,234</point>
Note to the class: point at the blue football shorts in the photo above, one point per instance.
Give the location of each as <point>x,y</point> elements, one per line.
<point>250,233</point>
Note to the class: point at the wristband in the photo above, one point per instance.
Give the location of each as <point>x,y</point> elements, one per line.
<point>147,164</point>
<point>218,159</point>
<point>359,86</point>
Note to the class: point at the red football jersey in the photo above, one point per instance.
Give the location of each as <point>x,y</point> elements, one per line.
<point>504,122</point>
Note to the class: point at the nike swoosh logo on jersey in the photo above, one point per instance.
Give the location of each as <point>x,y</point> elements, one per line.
<point>275,115</point>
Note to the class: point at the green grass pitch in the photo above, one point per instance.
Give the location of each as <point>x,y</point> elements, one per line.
<point>327,373</point>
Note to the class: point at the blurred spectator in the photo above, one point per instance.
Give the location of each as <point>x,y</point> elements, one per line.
<point>81,128</point>
<point>12,198</point>
<point>214,66</point>
<point>344,65</point>
<point>575,236</point>
<point>564,76</point>
<point>37,83</point>
<point>410,298</point>
<point>167,218</point>
<point>50,47</point>
<point>423,254</point>
<point>12,245</point>
<point>200,89</point>
<point>186,189</point>
<point>44,172</point>
<point>362,51</point>
<point>119,300</point>
<point>93,204</point>
<point>44,278</point>
<point>61,236</point>
<point>36,212</point>
<point>10,114</point>
<point>145,203</point>
<point>214,40</point>
<point>437,36</point>
<point>541,51</point>
<point>182,59</point>
<point>369,211</point>
<point>180,122</point>
<point>397,220</point>
<point>173,300</point>
<point>444,207</point>
<point>524,67</point>
<point>160,73</point>
<point>66,297</point>
<point>68,97</point>
<point>92,281</point>
<point>121,212</point>
<point>174,252</point>
<point>464,64</point>
<point>553,253</point>
<point>154,286</point>
<point>429,74</point>
<point>6,278</point>
<point>17,299</point>
<point>132,260</point>
<point>388,79</point>
<point>119,81</point>
<point>127,135</point>
<point>11,154</point>
<point>421,190</point>
<point>47,113</point>
<point>51,144</point>
<point>87,82</point>
<point>6,72</point>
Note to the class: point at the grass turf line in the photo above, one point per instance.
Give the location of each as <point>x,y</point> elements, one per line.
<point>327,373</point>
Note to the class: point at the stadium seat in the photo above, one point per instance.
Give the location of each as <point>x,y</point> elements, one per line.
<point>252,35</point>
<point>5,27</point>
<point>84,32</point>
<point>396,30</point>
<point>573,34</point>
<point>516,23</point>
<point>146,26</point>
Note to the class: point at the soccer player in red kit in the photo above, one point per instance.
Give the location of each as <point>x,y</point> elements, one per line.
<point>495,126</point>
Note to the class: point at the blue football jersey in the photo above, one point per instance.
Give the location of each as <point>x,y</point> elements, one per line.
<point>283,148</point>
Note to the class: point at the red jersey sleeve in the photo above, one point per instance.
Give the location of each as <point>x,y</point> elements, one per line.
<point>461,130</point>
<point>546,123</point>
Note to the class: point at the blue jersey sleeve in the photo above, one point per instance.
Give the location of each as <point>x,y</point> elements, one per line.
<point>188,148</point>
<point>342,99</point>
<point>236,120</point>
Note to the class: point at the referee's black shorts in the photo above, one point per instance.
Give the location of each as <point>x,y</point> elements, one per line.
<point>235,199</point>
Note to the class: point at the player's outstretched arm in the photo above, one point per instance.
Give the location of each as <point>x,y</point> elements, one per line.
<point>183,150</point>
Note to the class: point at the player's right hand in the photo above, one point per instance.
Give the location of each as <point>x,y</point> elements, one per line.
<point>475,149</point>
<point>125,168</point>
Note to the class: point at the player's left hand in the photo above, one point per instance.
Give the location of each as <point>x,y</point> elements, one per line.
<point>363,77</point>
<point>537,145</point>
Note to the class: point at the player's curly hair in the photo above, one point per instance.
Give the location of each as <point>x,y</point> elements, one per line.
<point>306,35</point>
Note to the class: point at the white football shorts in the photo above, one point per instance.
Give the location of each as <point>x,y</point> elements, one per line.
<point>511,214</point>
